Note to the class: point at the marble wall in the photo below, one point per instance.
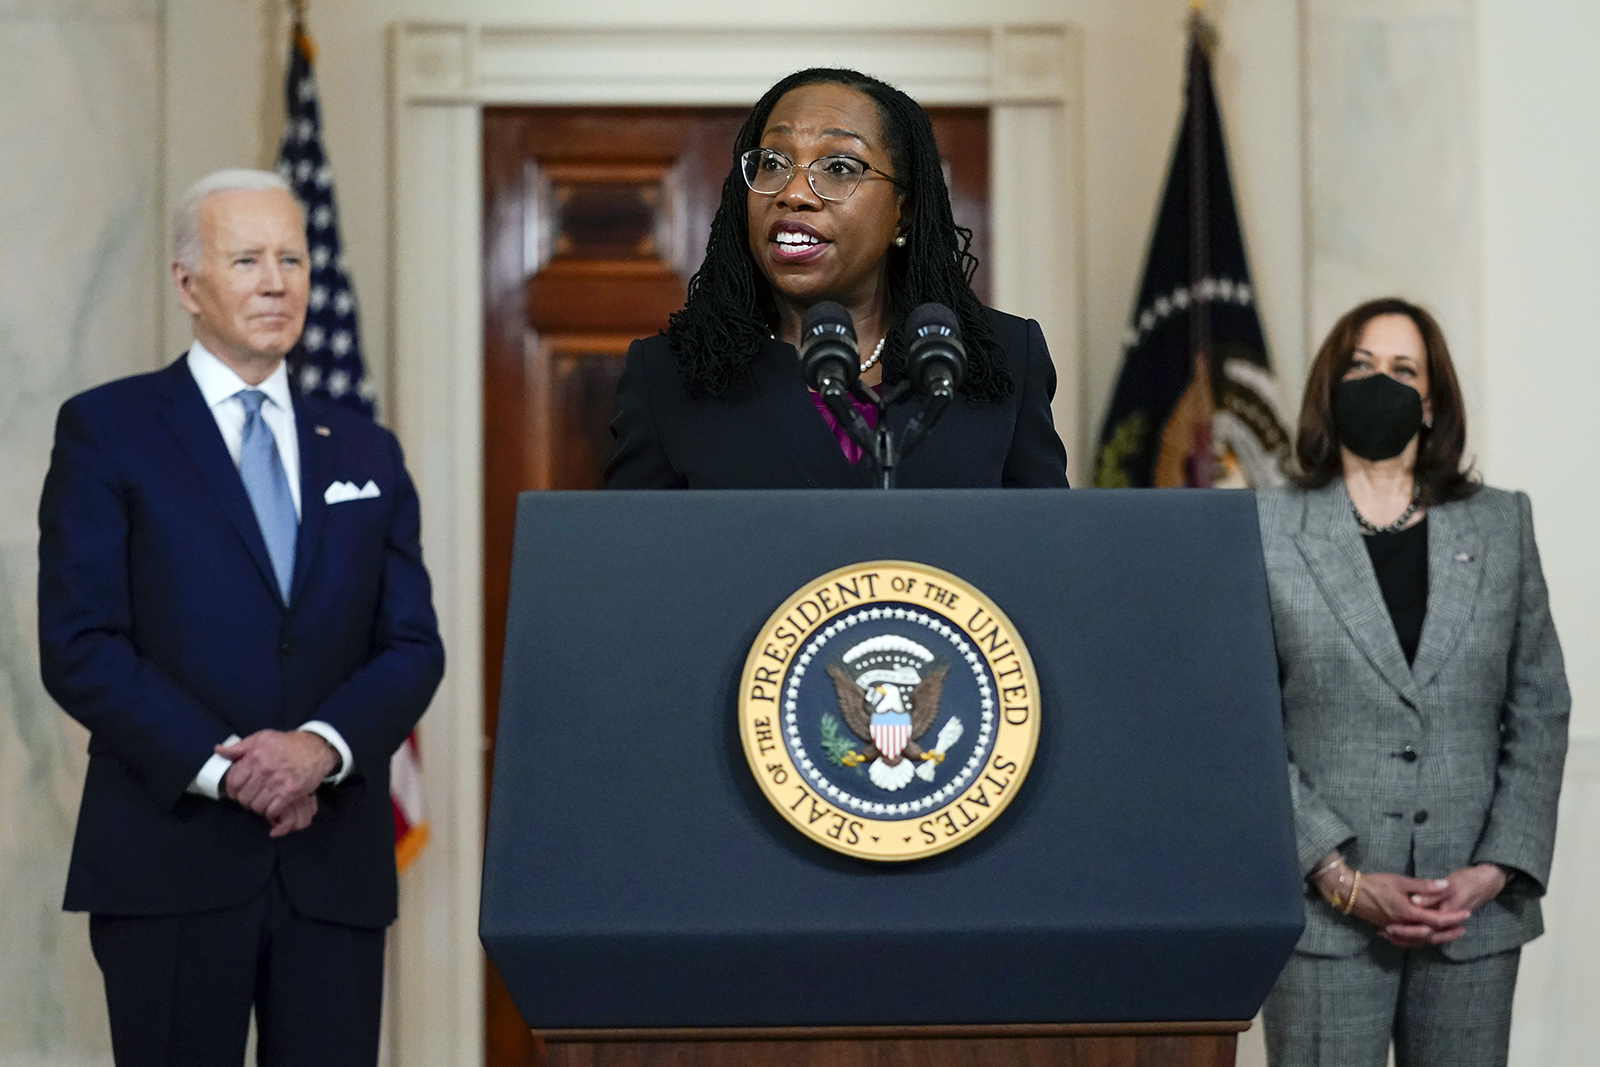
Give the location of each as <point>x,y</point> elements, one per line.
<point>1391,164</point>
<point>79,241</point>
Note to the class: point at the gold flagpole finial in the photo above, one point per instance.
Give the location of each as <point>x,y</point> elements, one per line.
<point>300,35</point>
<point>1204,32</point>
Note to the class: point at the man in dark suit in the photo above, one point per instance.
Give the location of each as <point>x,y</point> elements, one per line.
<point>232,600</point>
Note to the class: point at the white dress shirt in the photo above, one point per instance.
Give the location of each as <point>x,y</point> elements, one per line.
<point>220,386</point>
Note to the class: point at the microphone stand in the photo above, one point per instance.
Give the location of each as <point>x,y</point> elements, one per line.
<point>879,447</point>
<point>879,443</point>
<point>933,406</point>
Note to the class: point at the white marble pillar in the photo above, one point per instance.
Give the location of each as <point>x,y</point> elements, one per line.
<point>1391,166</point>
<point>79,242</point>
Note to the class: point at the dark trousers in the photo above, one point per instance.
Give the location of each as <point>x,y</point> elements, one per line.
<point>179,988</point>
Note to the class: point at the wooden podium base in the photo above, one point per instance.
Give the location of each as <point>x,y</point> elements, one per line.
<point>1202,1044</point>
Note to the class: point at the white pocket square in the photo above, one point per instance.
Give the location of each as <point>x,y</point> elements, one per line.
<point>339,492</point>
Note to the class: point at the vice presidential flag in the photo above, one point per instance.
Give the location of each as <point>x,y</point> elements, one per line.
<point>1196,403</point>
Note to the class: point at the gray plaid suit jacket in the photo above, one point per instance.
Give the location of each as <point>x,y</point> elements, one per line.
<point>1483,707</point>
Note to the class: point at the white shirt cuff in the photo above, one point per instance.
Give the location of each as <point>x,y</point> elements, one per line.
<point>347,762</point>
<point>208,783</point>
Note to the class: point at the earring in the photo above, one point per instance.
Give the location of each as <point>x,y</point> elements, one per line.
<point>900,242</point>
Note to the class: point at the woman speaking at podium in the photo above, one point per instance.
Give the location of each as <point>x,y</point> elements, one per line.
<point>1425,709</point>
<point>835,194</point>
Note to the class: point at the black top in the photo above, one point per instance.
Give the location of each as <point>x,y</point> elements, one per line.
<point>764,432</point>
<point>1400,560</point>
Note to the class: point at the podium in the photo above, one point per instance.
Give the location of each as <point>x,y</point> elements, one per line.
<point>645,904</point>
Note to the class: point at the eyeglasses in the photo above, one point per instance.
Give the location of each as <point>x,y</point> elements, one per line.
<point>769,172</point>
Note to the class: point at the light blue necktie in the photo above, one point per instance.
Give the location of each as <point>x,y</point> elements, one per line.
<point>261,469</point>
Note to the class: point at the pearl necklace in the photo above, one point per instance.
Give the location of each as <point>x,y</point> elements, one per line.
<point>876,352</point>
<point>871,360</point>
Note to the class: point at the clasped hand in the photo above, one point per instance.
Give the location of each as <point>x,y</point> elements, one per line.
<point>1413,912</point>
<point>276,773</point>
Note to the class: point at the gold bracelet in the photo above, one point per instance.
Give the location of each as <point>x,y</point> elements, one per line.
<point>1350,901</point>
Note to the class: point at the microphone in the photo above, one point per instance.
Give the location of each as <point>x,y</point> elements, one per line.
<point>936,360</point>
<point>830,361</point>
<point>936,364</point>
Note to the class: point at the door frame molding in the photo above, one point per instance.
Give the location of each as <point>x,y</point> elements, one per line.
<point>441,76</point>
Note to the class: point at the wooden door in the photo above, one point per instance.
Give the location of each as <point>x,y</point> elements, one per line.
<point>594,220</point>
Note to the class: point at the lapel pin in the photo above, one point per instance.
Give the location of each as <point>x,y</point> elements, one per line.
<point>323,431</point>
<point>1462,557</point>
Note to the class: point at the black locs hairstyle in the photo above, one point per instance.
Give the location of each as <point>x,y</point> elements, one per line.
<point>730,311</point>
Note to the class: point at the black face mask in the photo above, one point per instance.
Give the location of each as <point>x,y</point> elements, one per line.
<point>1376,416</point>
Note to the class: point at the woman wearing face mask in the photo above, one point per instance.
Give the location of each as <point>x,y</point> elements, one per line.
<point>1425,711</point>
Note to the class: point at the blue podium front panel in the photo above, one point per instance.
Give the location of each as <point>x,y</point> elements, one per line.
<point>636,876</point>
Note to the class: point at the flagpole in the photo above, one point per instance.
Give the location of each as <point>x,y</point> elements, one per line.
<point>1199,236</point>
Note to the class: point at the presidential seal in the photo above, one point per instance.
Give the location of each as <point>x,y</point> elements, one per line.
<point>889,710</point>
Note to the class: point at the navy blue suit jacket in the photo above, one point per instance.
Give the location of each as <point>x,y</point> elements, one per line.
<point>765,432</point>
<point>161,629</point>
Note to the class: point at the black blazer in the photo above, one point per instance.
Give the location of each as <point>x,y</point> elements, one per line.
<point>765,432</point>
<point>161,629</point>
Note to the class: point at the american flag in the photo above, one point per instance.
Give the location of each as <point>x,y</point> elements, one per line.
<point>327,362</point>
<point>405,798</point>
